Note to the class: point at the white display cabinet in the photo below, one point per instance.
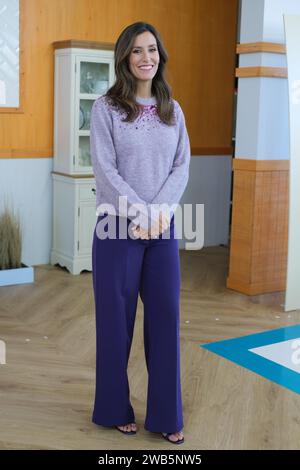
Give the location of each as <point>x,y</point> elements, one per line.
<point>81,76</point>
<point>83,72</point>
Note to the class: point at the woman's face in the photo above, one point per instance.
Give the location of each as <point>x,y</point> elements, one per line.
<point>144,53</point>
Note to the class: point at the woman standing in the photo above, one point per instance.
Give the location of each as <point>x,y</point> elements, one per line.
<point>140,150</point>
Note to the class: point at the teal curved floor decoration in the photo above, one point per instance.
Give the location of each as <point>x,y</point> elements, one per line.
<point>274,354</point>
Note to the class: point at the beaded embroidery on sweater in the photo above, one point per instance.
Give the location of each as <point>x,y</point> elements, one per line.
<point>147,118</point>
<point>145,160</point>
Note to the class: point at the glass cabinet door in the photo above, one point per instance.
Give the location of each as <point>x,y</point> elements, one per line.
<point>93,79</point>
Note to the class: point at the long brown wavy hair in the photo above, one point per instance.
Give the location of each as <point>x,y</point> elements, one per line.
<point>122,93</point>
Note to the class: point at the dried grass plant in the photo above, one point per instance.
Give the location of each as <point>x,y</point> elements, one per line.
<point>10,240</point>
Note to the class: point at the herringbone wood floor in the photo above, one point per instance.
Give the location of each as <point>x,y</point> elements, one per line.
<point>47,385</point>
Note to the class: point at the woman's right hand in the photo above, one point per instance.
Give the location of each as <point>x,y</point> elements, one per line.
<point>160,226</point>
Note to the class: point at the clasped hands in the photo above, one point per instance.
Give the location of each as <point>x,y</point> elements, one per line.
<point>155,230</point>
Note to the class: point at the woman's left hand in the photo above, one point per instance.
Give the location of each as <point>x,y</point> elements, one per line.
<point>140,233</point>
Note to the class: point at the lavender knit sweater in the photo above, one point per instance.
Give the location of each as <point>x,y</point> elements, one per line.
<point>146,160</point>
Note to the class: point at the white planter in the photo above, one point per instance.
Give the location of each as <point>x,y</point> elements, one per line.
<point>23,275</point>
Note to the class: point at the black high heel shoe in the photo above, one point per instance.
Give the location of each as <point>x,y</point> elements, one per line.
<point>128,433</point>
<point>166,435</point>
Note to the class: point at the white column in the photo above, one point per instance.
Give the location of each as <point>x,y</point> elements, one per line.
<point>262,131</point>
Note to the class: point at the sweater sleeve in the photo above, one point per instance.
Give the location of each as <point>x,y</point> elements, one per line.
<point>175,184</point>
<point>104,163</point>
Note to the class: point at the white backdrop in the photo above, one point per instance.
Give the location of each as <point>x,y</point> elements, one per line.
<point>9,53</point>
<point>292,33</point>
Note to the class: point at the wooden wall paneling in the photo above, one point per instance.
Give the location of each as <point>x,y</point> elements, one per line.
<point>258,252</point>
<point>200,36</point>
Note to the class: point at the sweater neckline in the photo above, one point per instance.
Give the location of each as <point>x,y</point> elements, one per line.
<point>146,101</point>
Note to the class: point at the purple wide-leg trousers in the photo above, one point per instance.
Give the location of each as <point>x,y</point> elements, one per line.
<point>123,269</point>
